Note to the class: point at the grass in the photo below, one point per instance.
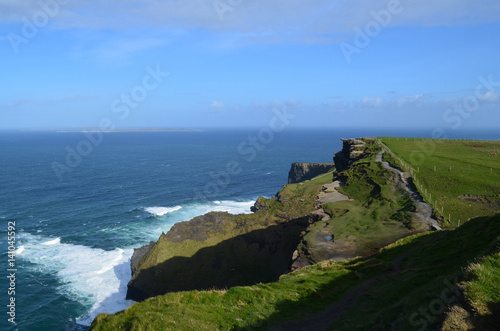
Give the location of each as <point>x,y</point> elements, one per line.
<point>440,264</point>
<point>468,255</point>
<point>222,250</point>
<point>379,214</point>
<point>449,279</point>
<point>460,178</point>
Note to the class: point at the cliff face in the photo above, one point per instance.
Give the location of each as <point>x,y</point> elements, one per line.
<point>216,250</point>
<point>305,171</point>
<point>220,250</point>
<point>303,225</point>
<point>352,150</point>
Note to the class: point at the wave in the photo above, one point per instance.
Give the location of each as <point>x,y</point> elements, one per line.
<point>98,278</point>
<point>20,250</point>
<point>91,276</point>
<point>160,211</point>
<point>233,207</point>
<point>52,242</point>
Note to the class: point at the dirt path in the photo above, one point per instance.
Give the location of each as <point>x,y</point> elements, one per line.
<point>334,312</point>
<point>329,193</point>
<point>424,210</point>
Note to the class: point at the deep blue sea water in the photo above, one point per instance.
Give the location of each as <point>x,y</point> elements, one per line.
<point>75,232</point>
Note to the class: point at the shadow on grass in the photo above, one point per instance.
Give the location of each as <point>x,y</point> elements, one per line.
<point>325,308</point>
<point>259,256</point>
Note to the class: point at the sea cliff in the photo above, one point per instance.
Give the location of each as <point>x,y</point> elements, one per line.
<point>318,226</point>
<point>306,171</point>
<point>298,227</point>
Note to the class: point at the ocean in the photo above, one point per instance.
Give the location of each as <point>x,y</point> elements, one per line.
<point>78,204</point>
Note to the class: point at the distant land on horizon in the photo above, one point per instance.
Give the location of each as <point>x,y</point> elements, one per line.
<point>111,130</point>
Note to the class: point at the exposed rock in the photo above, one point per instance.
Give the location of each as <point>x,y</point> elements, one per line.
<point>330,194</point>
<point>217,250</point>
<point>199,228</point>
<point>300,262</point>
<point>352,150</point>
<point>138,255</point>
<point>259,205</point>
<point>305,171</point>
<point>319,215</point>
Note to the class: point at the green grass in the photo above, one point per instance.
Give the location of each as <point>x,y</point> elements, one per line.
<point>449,170</point>
<point>437,259</point>
<point>296,200</point>
<point>483,286</point>
<point>223,250</point>
<point>463,263</point>
<point>379,214</point>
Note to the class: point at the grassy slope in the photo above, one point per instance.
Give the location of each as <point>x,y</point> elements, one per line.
<point>411,299</point>
<point>378,216</point>
<point>228,250</point>
<point>298,201</point>
<point>395,301</point>
<point>475,171</point>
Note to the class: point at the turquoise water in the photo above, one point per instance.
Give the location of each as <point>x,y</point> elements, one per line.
<point>78,219</point>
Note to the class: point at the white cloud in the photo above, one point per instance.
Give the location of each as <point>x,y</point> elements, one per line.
<point>292,103</point>
<point>372,102</point>
<point>119,50</point>
<point>313,21</point>
<point>217,106</point>
<point>409,99</point>
<point>489,97</point>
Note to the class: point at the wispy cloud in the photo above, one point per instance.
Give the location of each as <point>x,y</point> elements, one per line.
<point>16,103</point>
<point>372,102</point>
<point>122,49</point>
<point>409,99</point>
<point>489,97</point>
<point>313,21</point>
<point>217,106</point>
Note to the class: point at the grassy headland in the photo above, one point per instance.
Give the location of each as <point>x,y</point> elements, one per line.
<point>430,280</point>
<point>459,178</point>
<point>446,276</point>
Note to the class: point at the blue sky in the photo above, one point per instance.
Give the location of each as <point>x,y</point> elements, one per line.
<point>230,63</point>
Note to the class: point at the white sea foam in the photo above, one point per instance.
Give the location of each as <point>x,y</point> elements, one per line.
<point>52,242</point>
<point>91,276</point>
<point>233,207</point>
<point>20,250</point>
<point>98,278</point>
<point>160,211</point>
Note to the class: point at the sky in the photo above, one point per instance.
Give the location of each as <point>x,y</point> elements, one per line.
<point>237,63</point>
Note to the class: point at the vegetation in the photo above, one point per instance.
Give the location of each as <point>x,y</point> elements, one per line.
<point>460,178</point>
<point>379,214</point>
<point>436,263</point>
<point>427,280</point>
<point>220,250</point>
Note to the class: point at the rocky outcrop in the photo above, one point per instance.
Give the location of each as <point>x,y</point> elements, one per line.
<point>302,225</point>
<point>139,253</point>
<point>352,150</point>
<point>259,205</point>
<point>217,250</point>
<point>305,171</point>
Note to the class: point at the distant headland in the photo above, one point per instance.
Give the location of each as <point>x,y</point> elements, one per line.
<point>114,130</point>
